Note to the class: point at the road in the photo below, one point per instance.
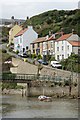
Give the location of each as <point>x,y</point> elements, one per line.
<point>4,46</point>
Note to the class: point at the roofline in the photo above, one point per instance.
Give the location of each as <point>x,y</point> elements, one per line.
<point>42,41</point>
<point>17,35</point>
<point>63,35</point>
<point>74,45</point>
<point>20,34</point>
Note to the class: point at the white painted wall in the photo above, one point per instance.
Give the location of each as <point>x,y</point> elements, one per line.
<point>65,50</point>
<point>29,36</point>
<point>17,42</point>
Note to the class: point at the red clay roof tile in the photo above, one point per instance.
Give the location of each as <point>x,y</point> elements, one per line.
<point>51,38</point>
<point>38,40</point>
<point>43,39</point>
<point>64,37</point>
<point>75,43</point>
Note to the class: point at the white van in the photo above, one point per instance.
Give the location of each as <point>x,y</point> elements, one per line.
<point>56,64</point>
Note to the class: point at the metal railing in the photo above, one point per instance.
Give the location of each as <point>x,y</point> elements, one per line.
<point>31,77</point>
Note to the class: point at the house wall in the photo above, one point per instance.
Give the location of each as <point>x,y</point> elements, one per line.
<point>75,49</point>
<point>41,48</point>
<point>31,48</point>
<point>36,47</point>
<point>44,46</point>
<point>63,52</point>
<point>25,39</point>
<point>52,47</point>
<point>13,31</point>
<point>47,46</point>
<point>29,36</point>
<point>17,41</point>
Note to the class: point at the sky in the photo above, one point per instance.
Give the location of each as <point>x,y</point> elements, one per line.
<point>22,8</point>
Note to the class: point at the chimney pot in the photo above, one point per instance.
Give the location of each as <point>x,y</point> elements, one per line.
<point>30,27</point>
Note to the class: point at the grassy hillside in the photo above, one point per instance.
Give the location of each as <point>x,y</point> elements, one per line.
<point>55,20</point>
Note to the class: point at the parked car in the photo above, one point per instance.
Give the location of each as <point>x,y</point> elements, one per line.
<point>40,61</point>
<point>56,64</point>
<point>23,55</point>
<point>43,62</point>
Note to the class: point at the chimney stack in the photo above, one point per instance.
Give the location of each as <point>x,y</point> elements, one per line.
<point>72,31</point>
<point>53,36</point>
<point>49,33</point>
<point>62,31</point>
<point>30,27</point>
<point>47,37</point>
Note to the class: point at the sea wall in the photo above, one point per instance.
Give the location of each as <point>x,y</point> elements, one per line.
<point>49,91</point>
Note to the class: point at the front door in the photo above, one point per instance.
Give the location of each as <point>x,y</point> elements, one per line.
<point>23,50</point>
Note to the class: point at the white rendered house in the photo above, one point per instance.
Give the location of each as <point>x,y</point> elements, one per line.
<point>65,45</point>
<point>23,39</point>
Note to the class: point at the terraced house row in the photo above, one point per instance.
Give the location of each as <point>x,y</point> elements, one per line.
<point>60,48</point>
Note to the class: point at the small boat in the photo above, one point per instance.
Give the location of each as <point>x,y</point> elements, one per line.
<point>44,98</point>
<point>48,99</point>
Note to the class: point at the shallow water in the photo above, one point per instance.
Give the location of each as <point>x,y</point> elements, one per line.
<point>23,107</point>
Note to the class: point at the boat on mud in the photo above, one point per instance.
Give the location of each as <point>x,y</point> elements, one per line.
<point>44,98</point>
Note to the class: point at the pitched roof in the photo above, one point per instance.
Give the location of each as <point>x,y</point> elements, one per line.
<point>75,43</point>
<point>38,40</point>
<point>21,32</point>
<point>43,39</point>
<point>64,37</point>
